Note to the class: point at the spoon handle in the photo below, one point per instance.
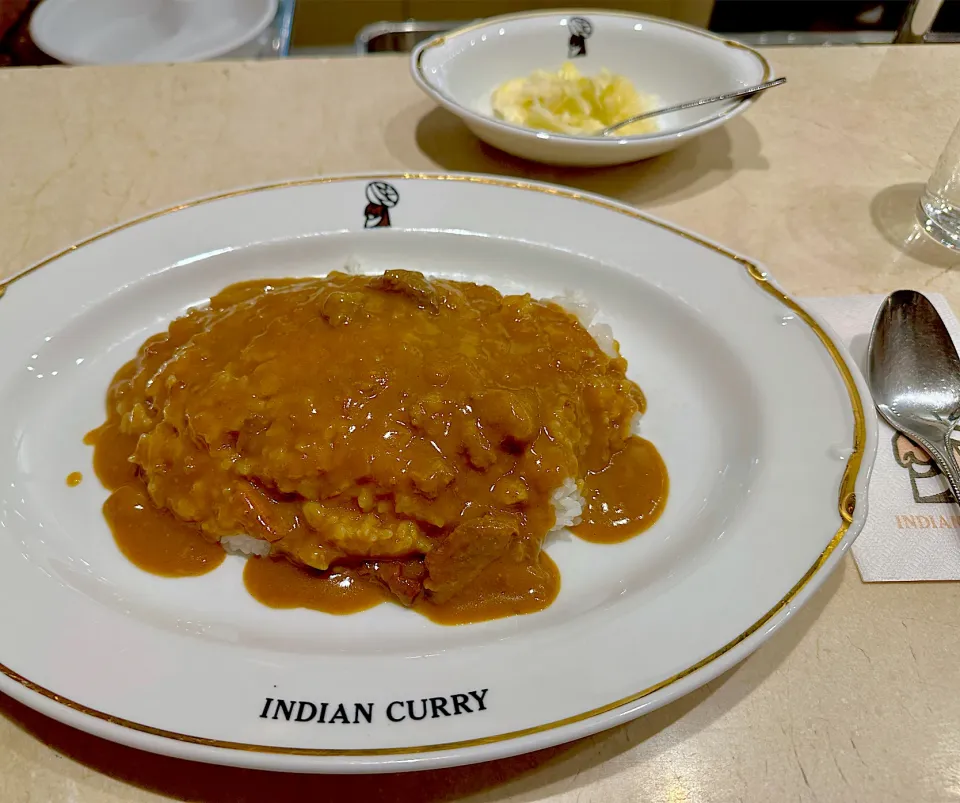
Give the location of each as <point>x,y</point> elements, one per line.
<point>740,93</point>
<point>946,461</point>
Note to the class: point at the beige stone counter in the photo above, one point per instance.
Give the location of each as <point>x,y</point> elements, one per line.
<point>858,697</point>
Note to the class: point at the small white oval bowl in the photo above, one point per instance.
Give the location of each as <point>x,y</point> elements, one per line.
<point>88,32</point>
<point>673,62</point>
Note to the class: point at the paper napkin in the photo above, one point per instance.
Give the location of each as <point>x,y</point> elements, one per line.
<point>913,524</point>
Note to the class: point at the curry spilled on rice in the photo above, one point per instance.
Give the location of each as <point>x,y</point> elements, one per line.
<point>381,437</point>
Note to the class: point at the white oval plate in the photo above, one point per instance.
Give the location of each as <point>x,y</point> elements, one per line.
<point>115,32</point>
<point>667,59</point>
<point>759,414</point>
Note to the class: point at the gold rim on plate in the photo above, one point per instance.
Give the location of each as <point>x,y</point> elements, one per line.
<point>846,499</point>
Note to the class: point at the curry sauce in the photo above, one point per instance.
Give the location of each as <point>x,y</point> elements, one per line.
<point>382,437</point>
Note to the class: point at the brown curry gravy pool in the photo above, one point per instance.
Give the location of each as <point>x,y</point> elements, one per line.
<point>393,437</point>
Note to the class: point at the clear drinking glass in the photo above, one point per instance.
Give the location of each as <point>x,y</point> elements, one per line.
<point>939,206</point>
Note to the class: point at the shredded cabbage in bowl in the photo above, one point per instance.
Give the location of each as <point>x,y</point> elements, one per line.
<point>566,102</point>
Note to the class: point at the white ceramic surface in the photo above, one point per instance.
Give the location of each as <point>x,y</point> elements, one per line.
<point>114,32</point>
<point>672,61</point>
<point>760,417</point>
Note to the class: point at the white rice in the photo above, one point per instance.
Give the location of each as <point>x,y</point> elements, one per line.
<point>567,502</point>
<point>245,545</point>
<point>577,304</point>
<point>352,266</point>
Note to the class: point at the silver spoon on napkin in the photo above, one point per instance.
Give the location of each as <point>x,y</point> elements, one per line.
<point>690,104</point>
<point>914,375</point>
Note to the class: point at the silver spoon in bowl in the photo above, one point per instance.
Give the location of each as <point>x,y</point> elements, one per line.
<point>690,104</point>
<point>914,375</point>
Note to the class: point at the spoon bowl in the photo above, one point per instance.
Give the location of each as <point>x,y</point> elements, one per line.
<point>914,375</point>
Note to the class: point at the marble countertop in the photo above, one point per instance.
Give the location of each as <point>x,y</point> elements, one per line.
<point>855,698</point>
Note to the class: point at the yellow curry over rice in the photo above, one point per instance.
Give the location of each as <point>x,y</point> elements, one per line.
<point>382,437</point>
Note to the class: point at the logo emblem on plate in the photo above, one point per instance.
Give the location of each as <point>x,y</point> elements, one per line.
<point>381,198</point>
<point>580,30</point>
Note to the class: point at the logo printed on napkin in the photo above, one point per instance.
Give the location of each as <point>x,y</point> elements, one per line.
<point>913,525</point>
<point>926,480</point>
